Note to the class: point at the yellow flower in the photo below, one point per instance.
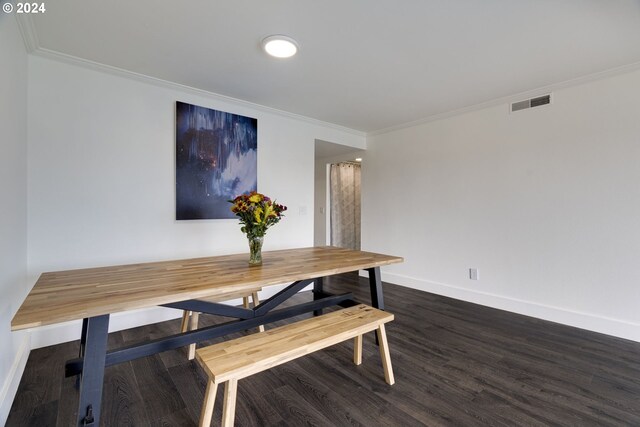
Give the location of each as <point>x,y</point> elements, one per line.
<point>256,198</point>
<point>256,214</point>
<point>268,211</point>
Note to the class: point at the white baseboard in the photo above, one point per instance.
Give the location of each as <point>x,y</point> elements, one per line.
<point>11,382</point>
<point>592,322</point>
<point>70,331</point>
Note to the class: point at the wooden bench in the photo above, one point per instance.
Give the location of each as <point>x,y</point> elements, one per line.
<point>233,360</point>
<point>190,318</point>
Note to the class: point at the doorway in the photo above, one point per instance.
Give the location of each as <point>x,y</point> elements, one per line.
<point>327,154</point>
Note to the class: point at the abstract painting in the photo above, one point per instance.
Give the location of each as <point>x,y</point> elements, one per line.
<point>216,160</point>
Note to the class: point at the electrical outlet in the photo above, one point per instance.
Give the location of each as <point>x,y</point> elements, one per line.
<point>474,274</point>
<point>302,210</point>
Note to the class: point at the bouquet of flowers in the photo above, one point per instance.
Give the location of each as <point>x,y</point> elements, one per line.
<point>257,213</point>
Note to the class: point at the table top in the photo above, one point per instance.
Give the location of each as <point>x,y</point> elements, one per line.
<point>77,294</point>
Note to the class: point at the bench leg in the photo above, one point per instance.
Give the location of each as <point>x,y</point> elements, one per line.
<point>384,355</point>
<point>186,314</point>
<point>256,301</point>
<point>193,325</point>
<point>357,350</point>
<point>208,404</point>
<point>229,408</point>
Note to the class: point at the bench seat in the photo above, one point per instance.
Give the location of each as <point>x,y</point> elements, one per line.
<point>236,359</point>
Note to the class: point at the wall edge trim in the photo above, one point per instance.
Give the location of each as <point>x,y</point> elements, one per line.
<point>11,383</point>
<point>27,31</point>
<point>595,323</point>
<point>508,99</point>
<point>121,72</point>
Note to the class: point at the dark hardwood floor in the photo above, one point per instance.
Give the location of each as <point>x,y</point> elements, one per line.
<point>456,364</point>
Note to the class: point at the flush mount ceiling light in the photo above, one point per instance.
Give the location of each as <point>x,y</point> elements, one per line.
<point>280,46</point>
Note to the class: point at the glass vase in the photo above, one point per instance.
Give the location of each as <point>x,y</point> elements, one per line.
<point>255,250</point>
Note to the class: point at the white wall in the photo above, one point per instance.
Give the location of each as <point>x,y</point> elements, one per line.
<point>545,202</point>
<point>102,175</point>
<point>13,206</point>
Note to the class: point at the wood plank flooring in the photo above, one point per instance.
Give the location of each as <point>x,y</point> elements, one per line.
<point>456,364</point>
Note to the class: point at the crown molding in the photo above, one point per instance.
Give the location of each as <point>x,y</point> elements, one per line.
<point>121,72</point>
<point>513,98</point>
<point>32,44</point>
<point>28,31</point>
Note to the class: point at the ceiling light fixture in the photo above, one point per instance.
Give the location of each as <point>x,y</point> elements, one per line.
<point>280,46</point>
<point>359,159</point>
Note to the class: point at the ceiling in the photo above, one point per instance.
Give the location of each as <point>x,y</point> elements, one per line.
<point>363,64</point>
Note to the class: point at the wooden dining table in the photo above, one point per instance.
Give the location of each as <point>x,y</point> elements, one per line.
<point>93,294</point>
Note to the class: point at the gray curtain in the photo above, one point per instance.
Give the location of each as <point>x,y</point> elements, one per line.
<point>345,205</point>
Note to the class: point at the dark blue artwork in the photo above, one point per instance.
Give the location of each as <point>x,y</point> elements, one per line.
<point>216,160</point>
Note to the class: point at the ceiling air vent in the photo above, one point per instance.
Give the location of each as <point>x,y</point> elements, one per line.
<point>530,103</point>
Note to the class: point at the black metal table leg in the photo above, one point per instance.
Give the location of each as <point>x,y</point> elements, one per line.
<point>83,342</point>
<point>83,337</point>
<point>96,330</point>
<point>375,284</point>
<point>317,293</point>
